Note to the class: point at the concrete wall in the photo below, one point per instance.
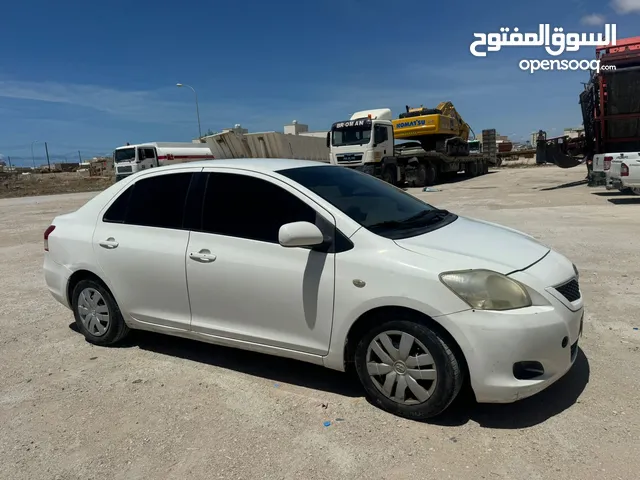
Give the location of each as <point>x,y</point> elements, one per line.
<point>268,145</point>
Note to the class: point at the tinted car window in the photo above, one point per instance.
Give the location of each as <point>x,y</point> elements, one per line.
<point>154,202</point>
<point>373,203</point>
<point>248,207</point>
<point>117,212</point>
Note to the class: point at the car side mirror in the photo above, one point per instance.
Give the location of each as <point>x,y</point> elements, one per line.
<point>300,234</point>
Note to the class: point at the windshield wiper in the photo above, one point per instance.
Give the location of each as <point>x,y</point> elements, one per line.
<point>423,218</point>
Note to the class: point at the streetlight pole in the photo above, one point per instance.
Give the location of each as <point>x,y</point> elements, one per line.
<point>33,159</point>
<point>197,108</point>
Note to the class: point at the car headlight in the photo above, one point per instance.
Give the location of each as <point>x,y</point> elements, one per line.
<point>487,290</point>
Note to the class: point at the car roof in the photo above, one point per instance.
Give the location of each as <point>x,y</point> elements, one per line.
<point>256,164</point>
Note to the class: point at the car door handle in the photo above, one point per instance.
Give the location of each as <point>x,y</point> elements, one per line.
<point>109,243</point>
<point>203,256</point>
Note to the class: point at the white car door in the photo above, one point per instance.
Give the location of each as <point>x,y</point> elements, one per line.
<point>140,245</point>
<point>243,284</point>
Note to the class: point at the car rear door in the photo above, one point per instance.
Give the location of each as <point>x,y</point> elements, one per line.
<point>243,285</point>
<point>140,242</point>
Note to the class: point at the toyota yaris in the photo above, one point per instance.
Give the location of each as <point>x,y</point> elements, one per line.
<point>326,265</point>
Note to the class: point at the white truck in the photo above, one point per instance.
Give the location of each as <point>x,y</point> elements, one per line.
<point>623,172</point>
<point>366,142</point>
<point>130,159</point>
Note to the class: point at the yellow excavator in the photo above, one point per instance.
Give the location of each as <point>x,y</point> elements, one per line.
<point>441,129</point>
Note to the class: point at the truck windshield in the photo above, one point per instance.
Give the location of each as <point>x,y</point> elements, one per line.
<point>379,207</point>
<point>350,136</point>
<point>124,154</point>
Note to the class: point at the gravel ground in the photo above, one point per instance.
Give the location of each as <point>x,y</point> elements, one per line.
<point>161,407</point>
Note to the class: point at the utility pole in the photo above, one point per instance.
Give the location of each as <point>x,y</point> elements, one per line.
<point>46,149</point>
<point>79,157</point>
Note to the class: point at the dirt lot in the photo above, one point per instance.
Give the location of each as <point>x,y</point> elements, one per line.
<point>12,186</point>
<point>168,408</point>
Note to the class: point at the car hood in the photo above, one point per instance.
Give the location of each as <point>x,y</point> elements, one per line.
<point>475,244</point>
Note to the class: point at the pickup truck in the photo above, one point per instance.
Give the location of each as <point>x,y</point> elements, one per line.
<point>624,173</point>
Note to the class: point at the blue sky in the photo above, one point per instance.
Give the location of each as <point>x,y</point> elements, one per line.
<point>91,76</point>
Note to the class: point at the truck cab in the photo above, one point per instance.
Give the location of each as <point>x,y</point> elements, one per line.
<point>363,140</point>
<point>130,159</point>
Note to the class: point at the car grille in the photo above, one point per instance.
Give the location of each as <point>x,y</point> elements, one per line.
<point>349,158</point>
<point>124,169</point>
<point>570,290</point>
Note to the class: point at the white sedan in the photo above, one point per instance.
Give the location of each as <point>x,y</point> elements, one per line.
<point>322,264</point>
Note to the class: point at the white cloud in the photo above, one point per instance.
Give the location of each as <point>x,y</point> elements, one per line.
<point>99,98</point>
<point>626,6</point>
<point>593,19</point>
<point>319,104</point>
<point>153,106</point>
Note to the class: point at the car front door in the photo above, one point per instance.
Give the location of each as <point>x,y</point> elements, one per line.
<point>243,284</point>
<point>140,245</point>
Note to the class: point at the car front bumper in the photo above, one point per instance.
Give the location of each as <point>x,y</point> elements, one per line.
<point>499,342</point>
<point>514,354</point>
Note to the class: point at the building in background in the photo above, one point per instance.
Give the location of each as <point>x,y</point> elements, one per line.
<point>573,132</point>
<point>295,128</point>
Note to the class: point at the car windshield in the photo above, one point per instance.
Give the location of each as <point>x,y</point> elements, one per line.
<point>124,154</point>
<point>376,205</point>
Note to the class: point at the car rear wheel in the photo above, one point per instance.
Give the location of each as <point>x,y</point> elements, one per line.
<point>97,314</point>
<point>408,369</point>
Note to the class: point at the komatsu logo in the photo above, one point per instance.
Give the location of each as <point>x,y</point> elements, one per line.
<point>415,123</point>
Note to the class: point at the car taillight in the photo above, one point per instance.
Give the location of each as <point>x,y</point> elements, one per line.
<point>47,232</point>
<point>624,170</point>
<point>607,162</point>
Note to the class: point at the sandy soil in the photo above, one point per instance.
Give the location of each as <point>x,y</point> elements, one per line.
<point>12,186</point>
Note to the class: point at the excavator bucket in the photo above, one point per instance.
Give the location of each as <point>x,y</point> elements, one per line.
<point>552,154</point>
<point>556,151</point>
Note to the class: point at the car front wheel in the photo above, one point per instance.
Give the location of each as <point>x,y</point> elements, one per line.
<point>408,369</point>
<point>97,314</point>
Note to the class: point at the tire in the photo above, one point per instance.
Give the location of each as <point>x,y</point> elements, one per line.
<point>416,406</point>
<point>92,296</point>
<point>635,191</point>
<point>430,174</point>
<point>472,169</point>
<point>388,175</point>
<point>427,175</point>
<point>485,167</point>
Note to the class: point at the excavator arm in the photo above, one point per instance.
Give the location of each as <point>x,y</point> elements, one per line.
<point>449,110</point>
